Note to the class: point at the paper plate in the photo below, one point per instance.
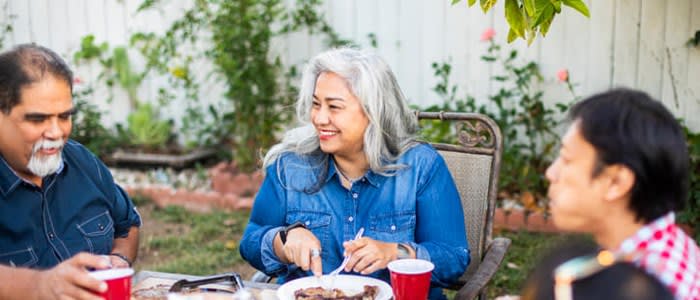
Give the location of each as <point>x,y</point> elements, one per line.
<point>349,284</point>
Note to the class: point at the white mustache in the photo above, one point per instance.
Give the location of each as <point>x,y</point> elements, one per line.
<point>48,144</point>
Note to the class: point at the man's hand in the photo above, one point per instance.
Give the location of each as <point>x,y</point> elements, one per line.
<point>301,244</point>
<point>70,279</point>
<point>369,255</point>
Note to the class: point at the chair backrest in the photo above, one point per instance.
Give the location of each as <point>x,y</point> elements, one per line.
<point>474,162</point>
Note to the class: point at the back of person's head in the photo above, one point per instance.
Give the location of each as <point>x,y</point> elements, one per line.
<point>392,125</point>
<point>27,64</point>
<point>619,280</point>
<point>630,128</point>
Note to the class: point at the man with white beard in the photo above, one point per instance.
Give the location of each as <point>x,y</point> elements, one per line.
<point>61,214</point>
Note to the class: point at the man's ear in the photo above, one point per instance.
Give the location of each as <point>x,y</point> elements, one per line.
<point>621,182</point>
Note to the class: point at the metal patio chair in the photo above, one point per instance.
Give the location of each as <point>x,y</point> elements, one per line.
<point>474,162</point>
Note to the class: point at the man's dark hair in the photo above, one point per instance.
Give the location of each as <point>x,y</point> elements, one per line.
<point>26,64</point>
<point>630,128</point>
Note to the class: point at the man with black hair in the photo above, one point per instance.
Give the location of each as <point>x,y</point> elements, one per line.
<point>61,214</point>
<point>622,171</point>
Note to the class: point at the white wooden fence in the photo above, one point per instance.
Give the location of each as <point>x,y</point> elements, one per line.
<point>631,43</point>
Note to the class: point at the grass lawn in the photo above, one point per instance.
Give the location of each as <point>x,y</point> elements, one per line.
<point>176,240</point>
<point>173,239</point>
<point>524,252</point>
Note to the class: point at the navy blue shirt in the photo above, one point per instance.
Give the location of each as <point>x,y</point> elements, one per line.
<point>78,209</point>
<point>419,206</point>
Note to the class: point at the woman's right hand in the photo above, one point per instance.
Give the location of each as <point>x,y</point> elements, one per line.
<point>304,250</point>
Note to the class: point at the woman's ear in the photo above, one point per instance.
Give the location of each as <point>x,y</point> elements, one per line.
<point>621,182</point>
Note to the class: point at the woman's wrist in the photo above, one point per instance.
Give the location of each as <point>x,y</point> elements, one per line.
<point>404,251</point>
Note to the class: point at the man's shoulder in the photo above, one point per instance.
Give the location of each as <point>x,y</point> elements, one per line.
<point>76,151</point>
<point>77,155</point>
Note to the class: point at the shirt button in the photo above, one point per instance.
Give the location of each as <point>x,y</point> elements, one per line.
<point>51,236</point>
<point>350,219</point>
<point>393,227</point>
<point>307,223</point>
<point>354,195</point>
<point>102,227</point>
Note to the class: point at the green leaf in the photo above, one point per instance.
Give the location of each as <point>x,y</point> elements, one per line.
<point>455,1</point>
<point>487,4</point>
<point>530,7</point>
<point>557,5</point>
<point>531,34</point>
<point>541,6</point>
<point>578,5</point>
<point>512,35</point>
<point>514,16</point>
<point>546,20</point>
<point>471,2</point>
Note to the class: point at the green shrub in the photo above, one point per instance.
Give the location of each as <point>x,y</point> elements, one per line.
<point>144,128</point>
<point>87,125</point>
<point>691,214</point>
<point>528,126</point>
<point>236,36</point>
<point>5,24</point>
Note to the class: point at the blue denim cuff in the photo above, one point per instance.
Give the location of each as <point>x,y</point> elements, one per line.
<point>421,252</point>
<point>267,251</point>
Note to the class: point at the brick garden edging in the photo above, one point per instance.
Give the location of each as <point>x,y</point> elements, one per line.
<point>193,200</point>
<point>516,219</point>
<point>232,190</point>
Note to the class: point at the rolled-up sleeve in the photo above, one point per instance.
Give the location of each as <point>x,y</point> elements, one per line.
<point>266,219</point>
<point>440,232</point>
<point>122,209</point>
<point>124,213</point>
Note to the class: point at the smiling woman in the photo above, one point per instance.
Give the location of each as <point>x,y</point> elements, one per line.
<point>355,163</point>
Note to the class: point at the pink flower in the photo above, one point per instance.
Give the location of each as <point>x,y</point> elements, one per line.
<point>563,75</point>
<point>77,80</point>
<point>488,34</point>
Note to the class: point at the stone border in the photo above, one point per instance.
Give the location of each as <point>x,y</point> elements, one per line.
<point>517,219</point>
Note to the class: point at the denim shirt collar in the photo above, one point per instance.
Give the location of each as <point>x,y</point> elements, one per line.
<point>9,179</point>
<point>372,178</point>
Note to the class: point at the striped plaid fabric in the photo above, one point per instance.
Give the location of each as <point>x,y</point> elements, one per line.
<point>664,250</point>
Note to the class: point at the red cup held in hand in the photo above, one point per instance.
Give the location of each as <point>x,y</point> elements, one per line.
<point>118,283</point>
<point>410,278</point>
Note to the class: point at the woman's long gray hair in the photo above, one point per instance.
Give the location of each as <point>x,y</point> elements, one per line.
<point>392,125</point>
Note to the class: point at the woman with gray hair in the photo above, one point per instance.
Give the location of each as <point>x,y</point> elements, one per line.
<point>354,164</point>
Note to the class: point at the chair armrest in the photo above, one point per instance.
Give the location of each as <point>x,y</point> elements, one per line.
<point>493,257</point>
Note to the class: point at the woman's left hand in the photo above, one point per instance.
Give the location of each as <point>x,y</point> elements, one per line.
<point>369,255</point>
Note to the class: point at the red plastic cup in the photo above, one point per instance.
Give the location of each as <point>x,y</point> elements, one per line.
<point>118,283</point>
<point>410,278</point>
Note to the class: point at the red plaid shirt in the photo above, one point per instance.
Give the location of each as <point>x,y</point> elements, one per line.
<point>665,251</point>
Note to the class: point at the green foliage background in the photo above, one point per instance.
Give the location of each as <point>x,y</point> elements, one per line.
<point>526,18</point>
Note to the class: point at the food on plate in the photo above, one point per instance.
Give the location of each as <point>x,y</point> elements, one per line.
<point>319,293</point>
<point>161,291</point>
<point>156,292</point>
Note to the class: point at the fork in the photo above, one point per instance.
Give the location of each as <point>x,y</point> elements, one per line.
<point>335,272</point>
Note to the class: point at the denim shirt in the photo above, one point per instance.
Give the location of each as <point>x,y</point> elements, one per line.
<point>419,205</point>
<point>79,208</point>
